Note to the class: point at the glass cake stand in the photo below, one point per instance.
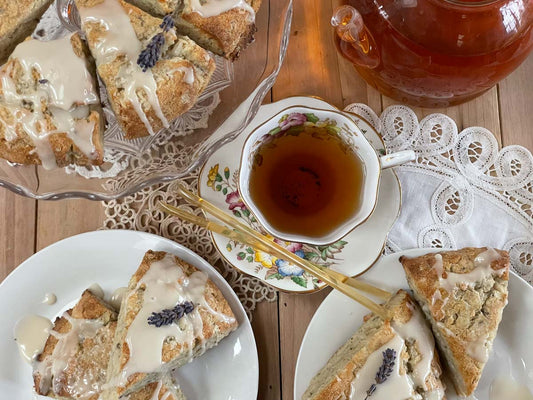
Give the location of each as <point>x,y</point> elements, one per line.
<point>131,165</point>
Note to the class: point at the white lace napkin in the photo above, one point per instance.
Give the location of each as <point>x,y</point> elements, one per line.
<point>461,190</point>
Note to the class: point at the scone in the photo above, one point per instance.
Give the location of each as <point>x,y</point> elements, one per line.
<point>124,40</point>
<point>18,19</point>
<point>225,28</point>
<point>163,389</point>
<point>74,361</point>
<point>463,294</point>
<point>351,372</point>
<point>171,313</point>
<point>50,112</point>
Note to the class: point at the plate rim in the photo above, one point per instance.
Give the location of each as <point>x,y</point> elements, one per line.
<point>176,246</point>
<point>407,252</point>
<point>350,114</point>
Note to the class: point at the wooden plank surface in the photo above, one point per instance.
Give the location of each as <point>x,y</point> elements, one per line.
<point>312,67</point>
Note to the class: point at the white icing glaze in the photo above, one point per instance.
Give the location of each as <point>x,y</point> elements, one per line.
<point>68,80</point>
<point>504,388</point>
<point>31,333</point>
<point>120,38</point>
<point>211,8</point>
<point>478,349</point>
<point>435,394</point>
<point>417,330</point>
<point>61,94</point>
<point>165,285</point>
<point>157,392</point>
<point>49,298</point>
<point>80,131</point>
<point>97,290</point>
<point>117,297</point>
<point>188,74</point>
<point>482,269</point>
<point>51,369</point>
<point>397,386</point>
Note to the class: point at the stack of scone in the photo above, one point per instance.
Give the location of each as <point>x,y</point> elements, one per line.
<point>462,294</point>
<point>154,65</point>
<point>170,314</point>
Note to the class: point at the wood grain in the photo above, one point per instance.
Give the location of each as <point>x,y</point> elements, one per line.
<point>516,106</point>
<point>60,219</point>
<point>17,230</point>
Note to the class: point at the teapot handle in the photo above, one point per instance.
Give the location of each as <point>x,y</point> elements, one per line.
<point>357,41</point>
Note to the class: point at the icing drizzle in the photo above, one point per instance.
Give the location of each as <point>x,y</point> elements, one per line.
<point>165,285</point>
<point>61,97</point>
<point>211,8</point>
<point>120,39</point>
<point>52,367</point>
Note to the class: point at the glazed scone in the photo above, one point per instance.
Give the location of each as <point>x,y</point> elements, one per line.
<point>463,294</point>
<point>163,389</point>
<point>146,101</point>
<point>142,350</point>
<point>18,19</point>
<point>73,363</point>
<point>351,371</point>
<point>222,27</point>
<point>50,111</point>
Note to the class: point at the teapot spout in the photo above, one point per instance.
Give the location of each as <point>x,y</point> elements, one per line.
<point>357,43</point>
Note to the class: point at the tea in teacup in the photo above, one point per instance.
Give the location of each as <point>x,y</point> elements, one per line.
<point>306,181</point>
<point>310,175</point>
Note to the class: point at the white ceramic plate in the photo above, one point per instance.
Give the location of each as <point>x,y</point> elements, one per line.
<point>338,317</point>
<point>352,255</point>
<point>109,258</point>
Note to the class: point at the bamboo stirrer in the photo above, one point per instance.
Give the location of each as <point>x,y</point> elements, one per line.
<point>261,245</point>
<point>287,255</point>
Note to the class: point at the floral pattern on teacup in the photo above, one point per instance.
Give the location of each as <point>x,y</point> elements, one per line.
<point>294,123</point>
<point>225,183</point>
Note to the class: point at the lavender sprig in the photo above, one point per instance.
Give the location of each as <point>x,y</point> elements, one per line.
<point>150,55</point>
<point>170,315</point>
<point>167,24</point>
<point>384,371</point>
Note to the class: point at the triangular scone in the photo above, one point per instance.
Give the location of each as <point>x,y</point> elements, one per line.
<point>351,371</point>
<point>463,294</point>
<point>163,389</point>
<point>74,361</point>
<point>144,102</point>
<point>143,351</point>
<point>18,19</point>
<point>50,111</point>
<point>225,28</point>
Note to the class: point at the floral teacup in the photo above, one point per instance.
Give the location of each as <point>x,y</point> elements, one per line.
<point>349,135</point>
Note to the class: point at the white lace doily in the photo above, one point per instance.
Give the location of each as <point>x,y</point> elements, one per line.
<point>461,190</point>
<point>140,212</point>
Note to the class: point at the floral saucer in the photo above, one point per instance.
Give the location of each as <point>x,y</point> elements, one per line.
<point>352,255</point>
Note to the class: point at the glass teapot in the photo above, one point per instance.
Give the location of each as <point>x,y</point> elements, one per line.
<point>434,53</point>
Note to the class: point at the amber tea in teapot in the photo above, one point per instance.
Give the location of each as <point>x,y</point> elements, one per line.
<point>434,53</point>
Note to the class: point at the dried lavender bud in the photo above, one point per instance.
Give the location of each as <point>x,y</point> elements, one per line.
<point>150,55</point>
<point>43,81</point>
<point>170,315</point>
<point>384,371</point>
<point>167,24</point>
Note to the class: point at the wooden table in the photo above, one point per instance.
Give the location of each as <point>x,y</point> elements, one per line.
<point>312,67</point>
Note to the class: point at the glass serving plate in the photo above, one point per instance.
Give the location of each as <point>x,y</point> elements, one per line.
<point>172,153</point>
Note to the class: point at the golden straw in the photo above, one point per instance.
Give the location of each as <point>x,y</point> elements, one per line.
<point>244,234</point>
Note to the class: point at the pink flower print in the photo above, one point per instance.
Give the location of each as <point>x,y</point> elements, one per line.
<point>292,247</point>
<point>293,119</point>
<point>234,200</point>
